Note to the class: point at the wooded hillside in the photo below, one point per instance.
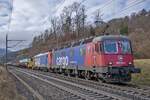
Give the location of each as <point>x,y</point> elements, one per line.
<point>73,25</point>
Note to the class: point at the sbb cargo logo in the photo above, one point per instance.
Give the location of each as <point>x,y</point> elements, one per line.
<point>62,61</point>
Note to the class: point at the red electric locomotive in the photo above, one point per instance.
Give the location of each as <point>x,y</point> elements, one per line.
<point>112,58</point>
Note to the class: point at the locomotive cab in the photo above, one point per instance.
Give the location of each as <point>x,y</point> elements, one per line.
<point>115,58</point>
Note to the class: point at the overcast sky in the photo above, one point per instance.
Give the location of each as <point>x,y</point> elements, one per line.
<point>31,17</point>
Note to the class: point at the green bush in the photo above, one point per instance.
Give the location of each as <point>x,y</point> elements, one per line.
<point>124,30</point>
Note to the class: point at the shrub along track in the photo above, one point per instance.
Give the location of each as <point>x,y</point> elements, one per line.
<point>72,90</point>
<point>124,90</point>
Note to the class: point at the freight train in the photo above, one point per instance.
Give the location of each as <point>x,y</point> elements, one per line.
<point>108,58</point>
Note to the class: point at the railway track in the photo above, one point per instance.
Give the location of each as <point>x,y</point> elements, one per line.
<point>44,90</point>
<point>35,93</point>
<point>78,91</point>
<point>135,93</point>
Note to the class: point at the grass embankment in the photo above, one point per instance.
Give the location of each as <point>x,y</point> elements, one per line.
<point>144,77</point>
<point>7,87</point>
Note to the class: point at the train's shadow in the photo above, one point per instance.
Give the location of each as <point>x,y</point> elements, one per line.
<point>125,84</point>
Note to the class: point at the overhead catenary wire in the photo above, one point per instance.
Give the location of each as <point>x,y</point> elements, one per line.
<point>15,44</point>
<point>135,4</point>
<point>104,6</point>
<point>18,43</point>
<point>132,4</point>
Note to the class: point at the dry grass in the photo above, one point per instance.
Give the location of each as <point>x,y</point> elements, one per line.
<point>7,87</point>
<point>144,77</point>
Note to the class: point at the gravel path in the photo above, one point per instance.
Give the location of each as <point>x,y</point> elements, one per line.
<point>22,90</point>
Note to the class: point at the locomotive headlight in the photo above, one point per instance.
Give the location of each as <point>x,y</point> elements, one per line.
<point>130,63</point>
<point>110,63</point>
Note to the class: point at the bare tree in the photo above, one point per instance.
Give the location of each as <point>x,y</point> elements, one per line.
<point>83,18</point>
<point>54,26</point>
<point>66,19</point>
<point>76,7</point>
<point>79,17</point>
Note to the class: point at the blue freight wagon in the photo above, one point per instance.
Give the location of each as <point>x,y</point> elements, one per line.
<point>41,61</point>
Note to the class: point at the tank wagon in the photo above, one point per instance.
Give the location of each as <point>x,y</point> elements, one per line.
<point>109,58</point>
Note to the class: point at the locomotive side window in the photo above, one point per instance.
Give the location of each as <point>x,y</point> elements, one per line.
<point>71,52</point>
<point>96,48</point>
<point>63,53</point>
<point>57,54</point>
<point>100,47</point>
<point>89,49</point>
<point>82,51</point>
<point>93,49</point>
<point>110,47</point>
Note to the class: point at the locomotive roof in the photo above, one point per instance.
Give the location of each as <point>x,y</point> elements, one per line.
<point>108,37</point>
<point>92,39</point>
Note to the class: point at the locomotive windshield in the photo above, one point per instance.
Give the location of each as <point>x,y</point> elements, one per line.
<point>110,47</point>
<point>113,47</point>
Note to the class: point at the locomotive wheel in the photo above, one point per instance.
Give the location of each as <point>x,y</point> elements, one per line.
<point>87,76</point>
